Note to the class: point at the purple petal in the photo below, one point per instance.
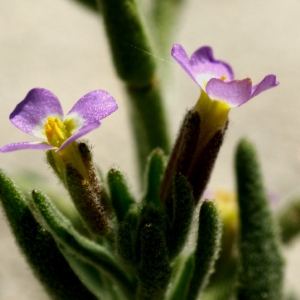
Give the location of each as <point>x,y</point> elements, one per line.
<point>29,114</point>
<point>202,66</point>
<point>26,145</point>
<point>82,131</point>
<point>203,62</point>
<point>268,82</point>
<point>234,93</point>
<point>93,107</point>
<point>181,57</point>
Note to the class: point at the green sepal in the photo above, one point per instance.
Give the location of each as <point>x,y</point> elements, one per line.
<point>208,246</point>
<point>289,221</point>
<point>90,252</point>
<point>261,263</point>
<point>181,155</point>
<point>53,164</point>
<point>121,197</point>
<point>154,268</point>
<point>128,41</point>
<point>183,269</point>
<point>39,247</point>
<point>154,172</point>
<point>182,215</point>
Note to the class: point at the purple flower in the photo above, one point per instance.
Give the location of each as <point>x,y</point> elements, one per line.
<point>216,77</point>
<point>40,114</point>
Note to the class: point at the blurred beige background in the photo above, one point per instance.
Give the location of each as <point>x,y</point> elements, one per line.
<point>61,46</point>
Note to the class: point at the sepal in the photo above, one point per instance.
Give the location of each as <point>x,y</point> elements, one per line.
<point>89,202</point>
<point>193,156</point>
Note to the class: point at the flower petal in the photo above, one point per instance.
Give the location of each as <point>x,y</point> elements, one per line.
<point>234,93</point>
<point>29,114</point>
<point>268,82</point>
<point>81,132</point>
<point>26,145</point>
<point>181,57</point>
<point>203,62</point>
<point>91,108</point>
<point>202,66</point>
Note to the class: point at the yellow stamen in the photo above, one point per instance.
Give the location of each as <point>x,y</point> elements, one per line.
<point>223,78</point>
<point>55,131</point>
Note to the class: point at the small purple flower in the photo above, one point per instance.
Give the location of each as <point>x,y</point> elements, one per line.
<point>40,114</point>
<point>216,77</point>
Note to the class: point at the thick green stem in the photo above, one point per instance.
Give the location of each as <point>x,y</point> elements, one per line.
<point>131,53</point>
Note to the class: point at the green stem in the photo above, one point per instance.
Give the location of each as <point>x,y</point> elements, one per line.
<point>164,17</point>
<point>131,53</point>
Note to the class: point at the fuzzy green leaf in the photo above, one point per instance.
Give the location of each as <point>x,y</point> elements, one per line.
<point>39,247</point>
<point>154,268</point>
<point>90,252</point>
<point>154,173</point>
<point>261,263</point>
<point>183,269</point>
<point>183,213</point>
<point>126,243</point>
<point>121,198</point>
<point>207,248</point>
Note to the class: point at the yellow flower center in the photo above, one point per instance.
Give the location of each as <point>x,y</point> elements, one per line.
<point>56,131</point>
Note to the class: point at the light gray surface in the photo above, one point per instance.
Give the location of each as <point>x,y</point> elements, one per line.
<point>60,46</point>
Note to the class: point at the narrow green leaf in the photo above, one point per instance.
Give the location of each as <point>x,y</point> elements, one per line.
<point>90,252</point>
<point>120,194</point>
<point>154,172</point>
<point>41,252</point>
<point>154,268</point>
<point>183,213</point>
<point>183,269</point>
<point>88,274</point>
<point>261,263</point>
<point>126,243</point>
<point>207,248</point>
<point>96,280</point>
